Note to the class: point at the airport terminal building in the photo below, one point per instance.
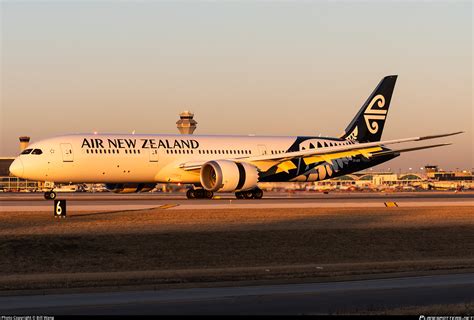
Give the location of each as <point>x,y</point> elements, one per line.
<point>14,184</point>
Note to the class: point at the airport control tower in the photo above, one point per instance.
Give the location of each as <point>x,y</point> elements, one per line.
<point>186,124</point>
<point>24,141</point>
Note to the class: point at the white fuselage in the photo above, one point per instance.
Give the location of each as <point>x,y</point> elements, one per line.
<point>140,158</point>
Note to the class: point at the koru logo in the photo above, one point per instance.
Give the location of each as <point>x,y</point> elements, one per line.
<point>372,115</point>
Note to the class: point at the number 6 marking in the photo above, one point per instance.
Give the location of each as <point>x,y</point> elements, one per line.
<point>59,210</point>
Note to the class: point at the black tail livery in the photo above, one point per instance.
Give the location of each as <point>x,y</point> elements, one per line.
<point>367,126</point>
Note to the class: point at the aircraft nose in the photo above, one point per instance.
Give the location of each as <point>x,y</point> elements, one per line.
<point>16,168</point>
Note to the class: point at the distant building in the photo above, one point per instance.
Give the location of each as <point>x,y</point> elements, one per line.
<point>10,183</point>
<point>186,124</point>
<point>430,168</point>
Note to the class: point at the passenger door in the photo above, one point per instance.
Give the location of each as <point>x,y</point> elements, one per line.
<point>66,150</point>
<point>153,155</point>
<point>262,149</point>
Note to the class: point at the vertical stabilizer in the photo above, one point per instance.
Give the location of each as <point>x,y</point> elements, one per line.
<point>367,125</point>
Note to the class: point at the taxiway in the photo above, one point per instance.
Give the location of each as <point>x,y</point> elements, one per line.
<point>307,298</point>
<point>112,202</point>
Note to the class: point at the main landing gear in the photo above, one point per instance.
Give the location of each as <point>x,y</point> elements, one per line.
<point>256,193</point>
<point>199,194</point>
<point>50,195</point>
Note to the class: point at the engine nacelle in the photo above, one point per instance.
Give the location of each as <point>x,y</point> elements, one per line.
<point>130,187</point>
<point>226,176</point>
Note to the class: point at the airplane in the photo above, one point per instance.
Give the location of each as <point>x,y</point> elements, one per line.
<point>220,163</point>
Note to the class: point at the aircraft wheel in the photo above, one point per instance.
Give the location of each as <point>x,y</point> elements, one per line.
<point>248,194</point>
<point>199,193</point>
<point>239,195</point>
<point>52,195</point>
<point>208,194</point>
<point>47,195</point>
<point>257,193</point>
<point>190,194</point>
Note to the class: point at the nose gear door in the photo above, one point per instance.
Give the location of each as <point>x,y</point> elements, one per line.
<point>66,150</point>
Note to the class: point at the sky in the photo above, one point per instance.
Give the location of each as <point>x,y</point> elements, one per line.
<point>243,67</point>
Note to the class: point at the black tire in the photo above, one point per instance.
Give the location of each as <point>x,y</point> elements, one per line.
<point>190,194</point>
<point>208,194</point>
<point>239,195</point>
<point>199,193</point>
<point>47,195</point>
<point>248,194</point>
<point>257,193</point>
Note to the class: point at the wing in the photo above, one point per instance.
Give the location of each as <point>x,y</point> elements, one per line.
<point>370,149</point>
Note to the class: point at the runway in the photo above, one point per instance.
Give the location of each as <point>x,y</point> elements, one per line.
<point>113,202</point>
<point>307,298</point>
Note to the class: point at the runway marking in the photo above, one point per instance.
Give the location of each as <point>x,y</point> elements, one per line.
<point>391,204</point>
<point>167,206</point>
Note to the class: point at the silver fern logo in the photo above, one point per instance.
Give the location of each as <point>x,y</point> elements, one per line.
<point>373,115</point>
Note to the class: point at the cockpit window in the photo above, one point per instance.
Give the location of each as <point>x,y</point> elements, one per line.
<point>26,151</point>
<point>37,151</point>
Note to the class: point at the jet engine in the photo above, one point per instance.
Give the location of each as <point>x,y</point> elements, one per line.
<point>130,187</point>
<point>228,176</point>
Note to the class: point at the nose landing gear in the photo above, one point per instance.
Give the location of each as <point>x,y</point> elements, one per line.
<point>50,195</point>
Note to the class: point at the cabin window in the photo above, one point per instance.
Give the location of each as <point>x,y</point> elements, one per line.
<point>26,151</point>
